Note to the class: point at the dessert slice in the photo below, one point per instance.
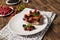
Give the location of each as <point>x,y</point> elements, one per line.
<point>34,17</point>
<point>28,27</point>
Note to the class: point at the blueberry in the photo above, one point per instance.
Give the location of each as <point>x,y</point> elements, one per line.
<point>24,25</point>
<point>38,12</point>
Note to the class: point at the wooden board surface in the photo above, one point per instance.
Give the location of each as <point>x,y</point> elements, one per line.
<point>53,32</point>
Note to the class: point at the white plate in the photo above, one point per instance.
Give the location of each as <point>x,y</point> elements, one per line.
<point>12,3</point>
<point>8,13</point>
<point>17,21</point>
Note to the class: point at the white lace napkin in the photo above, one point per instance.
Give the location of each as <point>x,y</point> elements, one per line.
<point>6,33</point>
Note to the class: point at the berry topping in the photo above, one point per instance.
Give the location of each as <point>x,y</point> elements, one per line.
<point>28,27</point>
<point>40,16</point>
<point>25,16</point>
<point>30,11</point>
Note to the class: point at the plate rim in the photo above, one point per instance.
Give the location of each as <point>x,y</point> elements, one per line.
<point>12,3</point>
<point>29,34</point>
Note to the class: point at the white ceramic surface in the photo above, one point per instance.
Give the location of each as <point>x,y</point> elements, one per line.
<point>16,24</point>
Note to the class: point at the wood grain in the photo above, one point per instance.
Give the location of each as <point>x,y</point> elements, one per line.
<point>53,32</point>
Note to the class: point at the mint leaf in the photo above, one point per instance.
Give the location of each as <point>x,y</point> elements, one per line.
<point>35,15</point>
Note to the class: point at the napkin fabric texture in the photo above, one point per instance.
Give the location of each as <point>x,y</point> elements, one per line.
<point>5,32</point>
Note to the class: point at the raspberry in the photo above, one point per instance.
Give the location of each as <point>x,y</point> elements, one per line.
<point>30,12</point>
<point>40,16</point>
<point>25,16</point>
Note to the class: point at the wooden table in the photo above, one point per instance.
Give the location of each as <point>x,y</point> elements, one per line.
<point>53,32</point>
